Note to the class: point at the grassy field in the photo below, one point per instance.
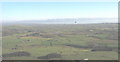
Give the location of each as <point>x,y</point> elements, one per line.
<point>60,42</point>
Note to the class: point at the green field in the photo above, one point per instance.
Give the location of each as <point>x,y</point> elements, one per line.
<point>60,41</point>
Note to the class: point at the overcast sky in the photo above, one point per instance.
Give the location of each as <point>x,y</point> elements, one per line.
<point>16,11</point>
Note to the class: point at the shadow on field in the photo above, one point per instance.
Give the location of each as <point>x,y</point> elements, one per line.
<point>49,56</point>
<point>16,54</point>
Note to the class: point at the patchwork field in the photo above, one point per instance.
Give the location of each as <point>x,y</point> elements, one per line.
<point>60,41</point>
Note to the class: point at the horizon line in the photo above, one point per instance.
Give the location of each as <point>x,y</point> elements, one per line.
<point>63,18</point>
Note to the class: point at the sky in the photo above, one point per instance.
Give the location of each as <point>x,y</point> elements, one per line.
<point>18,11</point>
<point>59,0</point>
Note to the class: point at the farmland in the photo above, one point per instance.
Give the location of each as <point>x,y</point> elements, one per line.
<point>60,41</point>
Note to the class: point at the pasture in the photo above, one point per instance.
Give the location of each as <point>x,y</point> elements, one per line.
<point>60,41</point>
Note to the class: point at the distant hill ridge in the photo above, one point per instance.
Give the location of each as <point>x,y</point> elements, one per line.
<point>69,21</point>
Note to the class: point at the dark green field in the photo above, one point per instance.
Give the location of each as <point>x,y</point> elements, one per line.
<point>60,42</point>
